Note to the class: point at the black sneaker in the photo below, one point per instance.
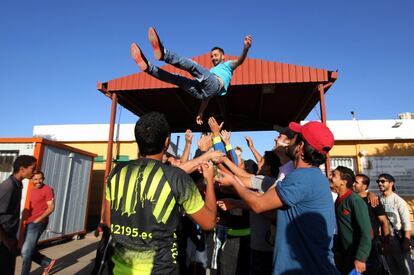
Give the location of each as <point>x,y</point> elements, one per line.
<point>138,57</point>
<point>156,44</point>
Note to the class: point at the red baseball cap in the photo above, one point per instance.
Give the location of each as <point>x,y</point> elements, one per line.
<point>316,134</point>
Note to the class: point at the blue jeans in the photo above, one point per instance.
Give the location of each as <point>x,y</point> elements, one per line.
<point>29,251</point>
<point>202,87</point>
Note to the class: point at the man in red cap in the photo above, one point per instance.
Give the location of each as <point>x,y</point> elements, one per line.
<point>305,216</point>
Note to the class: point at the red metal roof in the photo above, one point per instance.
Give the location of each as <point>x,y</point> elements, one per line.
<point>252,71</point>
<point>262,93</point>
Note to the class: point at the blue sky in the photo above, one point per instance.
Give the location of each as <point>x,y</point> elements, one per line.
<point>52,53</point>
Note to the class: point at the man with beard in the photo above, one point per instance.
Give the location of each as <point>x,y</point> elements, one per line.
<point>206,83</point>
<point>305,219</point>
<point>396,209</point>
<point>378,220</point>
<point>41,206</point>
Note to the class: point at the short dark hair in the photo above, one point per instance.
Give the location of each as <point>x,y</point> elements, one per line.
<point>23,161</point>
<point>250,166</point>
<point>310,155</point>
<point>218,48</point>
<point>364,179</point>
<point>347,175</point>
<point>151,131</point>
<point>389,178</point>
<point>39,172</point>
<point>271,159</point>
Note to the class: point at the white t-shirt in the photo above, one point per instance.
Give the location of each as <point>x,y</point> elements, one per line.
<point>261,236</point>
<point>263,183</point>
<point>397,212</point>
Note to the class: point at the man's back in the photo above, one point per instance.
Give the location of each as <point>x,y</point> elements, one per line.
<point>145,197</point>
<point>305,226</point>
<point>10,196</point>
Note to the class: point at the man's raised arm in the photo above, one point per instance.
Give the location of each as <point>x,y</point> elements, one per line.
<point>242,57</point>
<point>206,216</point>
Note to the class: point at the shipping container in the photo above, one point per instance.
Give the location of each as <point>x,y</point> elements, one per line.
<point>67,170</point>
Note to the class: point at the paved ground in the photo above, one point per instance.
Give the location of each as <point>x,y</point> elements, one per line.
<point>73,256</point>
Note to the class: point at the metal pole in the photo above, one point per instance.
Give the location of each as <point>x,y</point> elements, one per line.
<point>323,118</point>
<point>109,152</point>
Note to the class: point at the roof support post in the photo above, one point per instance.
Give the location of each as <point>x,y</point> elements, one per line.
<point>109,152</point>
<point>321,89</point>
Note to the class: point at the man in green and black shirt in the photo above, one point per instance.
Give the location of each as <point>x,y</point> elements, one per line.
<point>354,227</point>
<point>145,198</point>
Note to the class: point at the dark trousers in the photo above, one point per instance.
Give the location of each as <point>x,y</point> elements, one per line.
<point>235,256</point>
<point>103,259</point>
<point>227,255</point>
<point>261,262</point>
<point>7,261</point>
<point>373,264</point>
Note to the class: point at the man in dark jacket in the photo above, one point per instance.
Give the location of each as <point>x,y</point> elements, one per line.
<point>10,197</point>
<point>354,227</point>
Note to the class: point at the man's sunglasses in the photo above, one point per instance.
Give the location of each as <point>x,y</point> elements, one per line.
<point>381,181</point>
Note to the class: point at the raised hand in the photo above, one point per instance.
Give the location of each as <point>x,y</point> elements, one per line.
<point>248,41</point>
<point>214,126</point>
<point>188,136</point>
<point>199,120</point>
<point>208,171</point>
<point>225,179</point>
<point>225,136</point>
<point>217,156</point>
<point>249,141</point>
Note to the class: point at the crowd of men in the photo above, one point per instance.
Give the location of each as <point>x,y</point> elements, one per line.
<point>218,213</point>
<point>280,214</point>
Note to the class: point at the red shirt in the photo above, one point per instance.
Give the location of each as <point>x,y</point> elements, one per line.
<point>38,202</point>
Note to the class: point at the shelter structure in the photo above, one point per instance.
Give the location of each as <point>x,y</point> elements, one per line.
<point>262,93</point>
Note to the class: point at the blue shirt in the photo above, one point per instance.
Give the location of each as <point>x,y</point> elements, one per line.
<point>305,224</point>
<point>225,72</point>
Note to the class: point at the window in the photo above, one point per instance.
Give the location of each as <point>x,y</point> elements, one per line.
<point>343,161</point>
<point>6,161</point>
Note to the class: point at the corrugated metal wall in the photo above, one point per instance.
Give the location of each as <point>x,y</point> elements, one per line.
<point>68,174</point>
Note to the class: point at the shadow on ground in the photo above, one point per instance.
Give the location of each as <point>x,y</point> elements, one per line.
<point>71,259</point>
